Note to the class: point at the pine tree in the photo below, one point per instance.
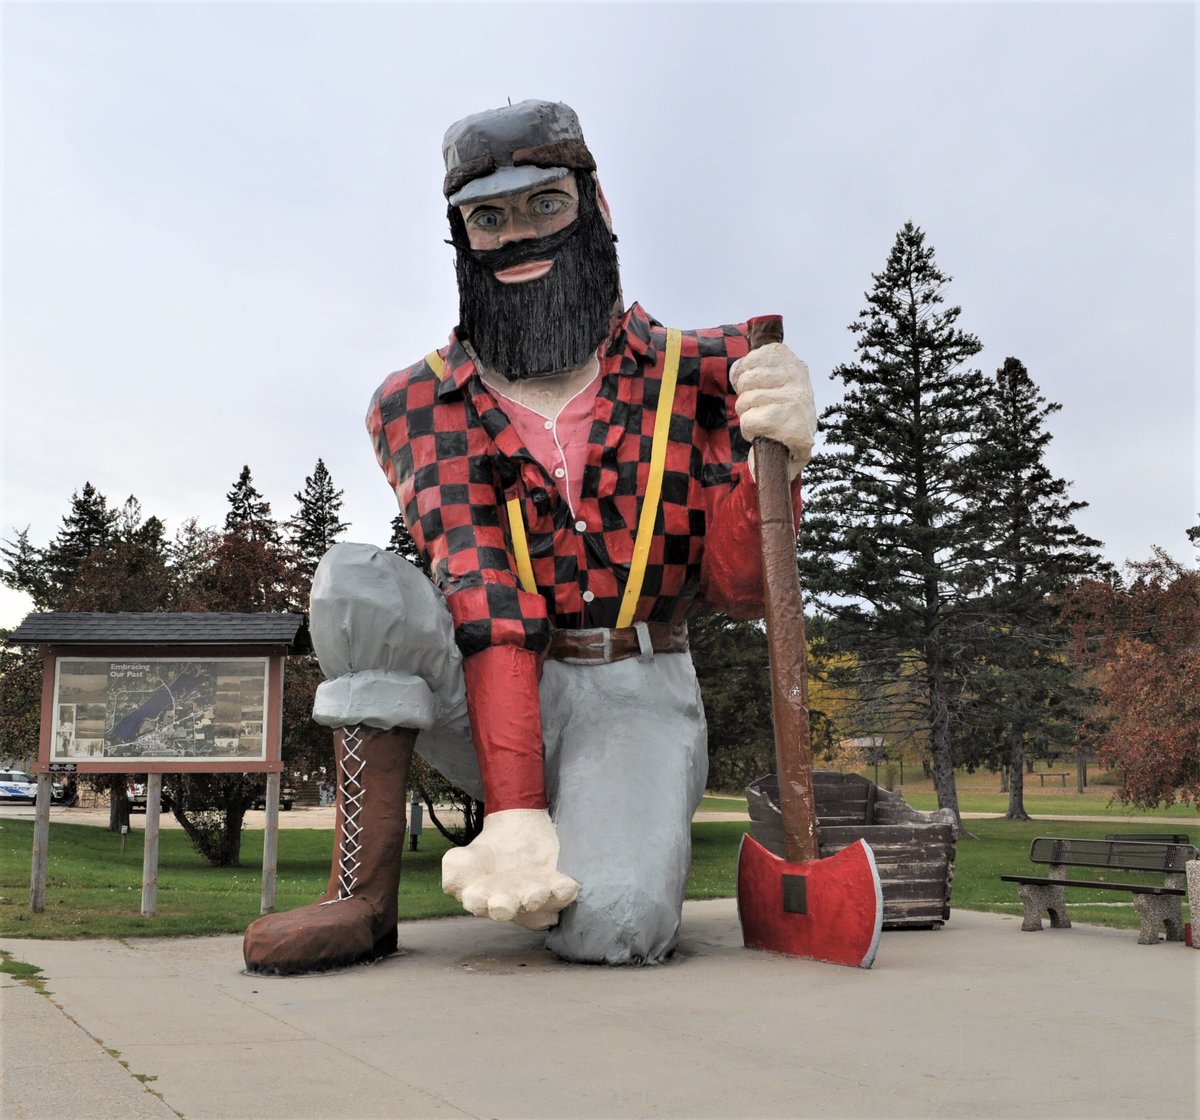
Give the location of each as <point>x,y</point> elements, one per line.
<point>131,573</point>
<point>887,548</point>
<point>1025,692</point>
<point>89,527</point>
<point>249,513</point>
<point>402,544</point>
<point>25,570</point>
<point>316,524</point>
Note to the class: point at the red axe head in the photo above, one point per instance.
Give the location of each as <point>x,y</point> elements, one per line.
<point>824,910</point>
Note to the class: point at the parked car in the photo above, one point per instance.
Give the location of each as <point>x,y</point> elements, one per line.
<point>136,793</point>
<point>17,786</point>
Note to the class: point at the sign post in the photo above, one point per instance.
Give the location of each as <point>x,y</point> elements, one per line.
<point>270,845</point>
<point>41,844</point>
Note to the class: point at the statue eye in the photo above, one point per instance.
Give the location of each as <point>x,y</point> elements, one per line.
<point>547,205</point>
<point>487,219</point>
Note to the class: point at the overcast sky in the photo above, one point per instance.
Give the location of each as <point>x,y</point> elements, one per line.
<point>223,222</point>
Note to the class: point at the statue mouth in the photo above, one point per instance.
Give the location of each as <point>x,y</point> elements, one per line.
<point>521,273</point>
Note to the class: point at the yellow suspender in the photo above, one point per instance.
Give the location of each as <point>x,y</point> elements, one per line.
<point>516,525</point>
<point>658,461</point>
<point>437,363</point>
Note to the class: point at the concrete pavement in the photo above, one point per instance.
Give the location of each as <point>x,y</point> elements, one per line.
<point>475,1019</point>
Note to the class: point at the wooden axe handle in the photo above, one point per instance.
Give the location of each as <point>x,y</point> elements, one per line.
<point>785,634</point>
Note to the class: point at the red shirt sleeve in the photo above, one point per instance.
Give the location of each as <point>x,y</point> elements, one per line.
<point>506,726</point>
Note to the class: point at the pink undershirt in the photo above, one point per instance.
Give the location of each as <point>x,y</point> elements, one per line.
<point>559,442</point>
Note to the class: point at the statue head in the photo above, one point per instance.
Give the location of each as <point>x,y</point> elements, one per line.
<point>537,268</point>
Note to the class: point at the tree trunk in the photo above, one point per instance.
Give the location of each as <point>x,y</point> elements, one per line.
<point>940,749</point>
<point>1004,777</point>
<point>1029,765</point>
<point>1081,773</point>
<point>1016,780</point>
<point>118,804</point>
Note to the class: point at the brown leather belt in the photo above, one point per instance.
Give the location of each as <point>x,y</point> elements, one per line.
<point>603,645</point>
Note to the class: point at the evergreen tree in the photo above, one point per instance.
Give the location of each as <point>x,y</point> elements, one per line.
<point>888,549</point>
<point>402,544</point>
<point>25,569</point>
<point>131,573</point>
<point>1025,693</point>
<point>316,524</point>
<point>249,513</point>
<point>88,527</point>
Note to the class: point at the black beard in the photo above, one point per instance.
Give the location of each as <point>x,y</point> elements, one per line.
<point>542,326</point>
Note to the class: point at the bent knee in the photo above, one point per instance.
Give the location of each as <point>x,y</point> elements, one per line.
<point>614,925</point>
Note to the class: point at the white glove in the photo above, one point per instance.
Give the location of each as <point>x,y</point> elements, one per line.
<point>509,871</point>
<point>775,399</point>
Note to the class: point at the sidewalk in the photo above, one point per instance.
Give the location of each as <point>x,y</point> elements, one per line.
<point>475,1019</point>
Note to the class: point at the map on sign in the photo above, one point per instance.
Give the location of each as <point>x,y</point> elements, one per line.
<point>161,709</point>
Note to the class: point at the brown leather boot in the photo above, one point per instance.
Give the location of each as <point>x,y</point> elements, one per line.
<point>355,919</point>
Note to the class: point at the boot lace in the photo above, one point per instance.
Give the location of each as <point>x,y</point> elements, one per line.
<point>351,765</point>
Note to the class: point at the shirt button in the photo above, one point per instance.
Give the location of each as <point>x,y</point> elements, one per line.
<point>549,425</point>
<point>581,526</point>
<point>559,472</point>
<point>588,596</point>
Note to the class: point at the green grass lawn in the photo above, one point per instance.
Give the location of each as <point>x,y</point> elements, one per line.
<point>94,889</point>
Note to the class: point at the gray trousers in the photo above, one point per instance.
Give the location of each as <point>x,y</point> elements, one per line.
<point>625,745</point>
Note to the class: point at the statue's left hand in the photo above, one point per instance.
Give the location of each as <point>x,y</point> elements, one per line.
<point>509,871</point>
<point>775,400</point>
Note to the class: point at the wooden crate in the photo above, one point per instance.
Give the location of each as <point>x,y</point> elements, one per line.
<point>914,851</point>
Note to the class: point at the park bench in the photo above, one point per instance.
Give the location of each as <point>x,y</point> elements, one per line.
<point>1062,776</point>
<point>914,851</point>
<point>1157,905</point>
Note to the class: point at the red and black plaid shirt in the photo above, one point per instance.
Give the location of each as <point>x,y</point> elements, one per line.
<point>454,460</point>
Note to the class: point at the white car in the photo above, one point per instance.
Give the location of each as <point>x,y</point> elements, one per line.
<point>16,785</point>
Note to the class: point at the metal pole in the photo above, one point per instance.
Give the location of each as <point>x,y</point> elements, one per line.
<point>150,849</point>
<point>41,845</point>
<point>270,844</point>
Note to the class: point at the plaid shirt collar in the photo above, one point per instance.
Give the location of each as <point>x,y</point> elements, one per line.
<point>629,348</point>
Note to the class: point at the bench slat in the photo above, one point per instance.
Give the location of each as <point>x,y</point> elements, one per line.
<point>1132,888</point>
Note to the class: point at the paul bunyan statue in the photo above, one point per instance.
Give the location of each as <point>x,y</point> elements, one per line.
<point>580,479</point>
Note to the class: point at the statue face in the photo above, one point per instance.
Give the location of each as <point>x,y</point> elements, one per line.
<point>493,223</point>
<point>538,281</point>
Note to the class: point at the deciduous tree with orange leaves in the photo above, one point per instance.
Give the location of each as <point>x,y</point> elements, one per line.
<point>1141,641</point>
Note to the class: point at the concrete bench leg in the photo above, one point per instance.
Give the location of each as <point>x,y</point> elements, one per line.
<point>1156,910</point>
<point>1040,899</point>
<point>1192,873</point>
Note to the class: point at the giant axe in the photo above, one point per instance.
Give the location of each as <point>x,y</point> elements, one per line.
<point>802,906</point>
